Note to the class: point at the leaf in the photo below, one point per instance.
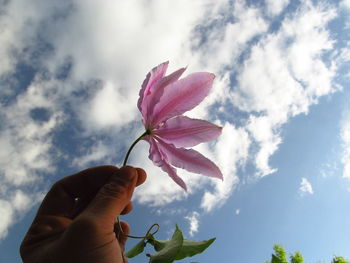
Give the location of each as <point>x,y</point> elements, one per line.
<point>276,259</point>
<point>297,258</point>
<point>137,249</point>
<point>189,247</point>
<point>280,253</point>
<point>168,252</point>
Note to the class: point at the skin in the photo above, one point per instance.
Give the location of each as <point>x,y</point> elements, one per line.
<point>76,221</point>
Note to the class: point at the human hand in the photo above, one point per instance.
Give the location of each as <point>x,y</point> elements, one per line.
<point>76,221</point>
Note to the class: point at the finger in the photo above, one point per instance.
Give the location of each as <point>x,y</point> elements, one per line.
<point>128,208</point>
<point>140,180</point>
<point>61,199</point>
<point>121,234</point>
<point>141,176</point>
<point>113,197</point>
<point>82,203</point>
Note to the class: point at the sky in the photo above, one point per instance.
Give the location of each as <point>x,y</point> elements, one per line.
<point>70,74</point>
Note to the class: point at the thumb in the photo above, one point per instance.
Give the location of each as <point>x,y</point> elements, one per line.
<point>113,197</point>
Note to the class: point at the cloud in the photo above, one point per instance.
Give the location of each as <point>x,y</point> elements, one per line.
<point>93,154</point>
<point>231,151</point>
<point>193,219</point>
<point>345,4</point>
<point>108,107</point>
<point>27,140</point>
<point>275,7</point>
<point>329,169</point>
<point>345,137</point>
<point>238,211</point>
<point>13,209</point>
<point>7,217</point>
<point>86,75</point>
<point>222,36</point>
<point>283,76</point>
<point>26,151</point>
<point>305,187</point>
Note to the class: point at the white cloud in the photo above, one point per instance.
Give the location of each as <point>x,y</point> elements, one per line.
<point>21,201</point>
<point>275,7</point>
<point>13,209</point>
<point>6,212</point>
<point>238,211</point>
<point>225,41</point>
<point>328,169</point>
<point>263,129</point>
<point>305,187</point>
<point>231,151</point>
<point>108,107</point>
<point>345,136</point>
<point>282,75</point>
<point>95,153</point>
<point>26,143</point>
<point>193,219</point>
<point>345,4</point>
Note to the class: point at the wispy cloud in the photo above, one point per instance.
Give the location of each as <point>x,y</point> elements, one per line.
<point>275,7</point>
<point>85,75</point>
<point>283,76</point>
<point>305,187</point>
<point>345,136</point>
<point>231,151</point>
<point>14,208</point>
<point>193,219</point>
<point>345,4</point>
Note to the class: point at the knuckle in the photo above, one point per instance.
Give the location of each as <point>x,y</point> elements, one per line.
<point>112,189</point>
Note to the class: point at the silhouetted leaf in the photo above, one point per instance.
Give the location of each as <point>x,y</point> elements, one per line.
<point>168,251</point>
<point>137,249</point>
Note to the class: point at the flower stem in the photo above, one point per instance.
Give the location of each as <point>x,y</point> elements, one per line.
<point>132,146</point>
<point>147,132</point>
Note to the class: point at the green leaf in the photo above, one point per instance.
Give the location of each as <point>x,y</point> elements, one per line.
<point>189,247</point>
<point>297,258</point>
<point>137,249</point>
<point>167,252</point>
<point>280,253</point>
<point>339,260</point>
<point>276,259</point>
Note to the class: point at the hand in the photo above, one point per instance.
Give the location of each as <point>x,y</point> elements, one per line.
<point>76,221</point>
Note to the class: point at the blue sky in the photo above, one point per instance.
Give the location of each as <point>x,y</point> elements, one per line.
<point>70,76</point>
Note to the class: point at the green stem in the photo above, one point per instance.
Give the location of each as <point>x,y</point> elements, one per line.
<point>133,144</point>
<point>147,132</point>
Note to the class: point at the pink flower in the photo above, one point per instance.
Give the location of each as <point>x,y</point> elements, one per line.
<point>163,100</point>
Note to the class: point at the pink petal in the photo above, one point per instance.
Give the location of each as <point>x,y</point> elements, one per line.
<point>182,95</point>
<point>159,159</point>
<point>151,79</point>
<point>189,160</point>
<point>186,132</point>
<point>153,98</point>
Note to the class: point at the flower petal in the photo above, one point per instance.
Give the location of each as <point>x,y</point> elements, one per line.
<point>159,159</point>
<point>189,160</point>
<point>182,95</point>
<point>186,132</point>
<point>156,74</point>
<point>153,98</point>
